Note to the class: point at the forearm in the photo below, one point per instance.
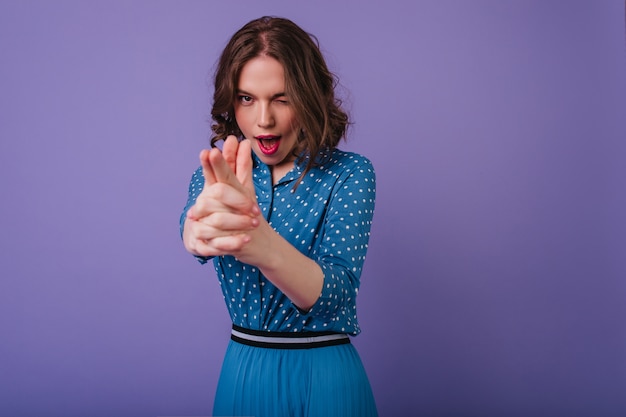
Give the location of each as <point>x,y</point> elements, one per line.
<point>296,275</point>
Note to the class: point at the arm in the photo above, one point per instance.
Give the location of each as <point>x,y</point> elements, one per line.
<point>278,260</point>
<point>219,211</point>
<point>195,188</point>
<point>306,282</point>
<point>245,235</point>
<point>327,278</point>
<point>344,241</point>
<point>297,276</point>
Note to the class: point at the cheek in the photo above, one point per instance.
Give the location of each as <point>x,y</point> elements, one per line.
<point>290,121</point>
<point>242,121</point>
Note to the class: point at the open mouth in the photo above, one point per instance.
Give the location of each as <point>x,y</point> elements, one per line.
<point>268,144</point>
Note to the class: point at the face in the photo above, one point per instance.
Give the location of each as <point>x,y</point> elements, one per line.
<point>264,114</point>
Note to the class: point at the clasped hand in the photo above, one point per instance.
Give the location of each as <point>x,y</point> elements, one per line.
<point>225,219</point>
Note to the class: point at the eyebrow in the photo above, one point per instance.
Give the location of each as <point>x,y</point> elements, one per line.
<point>281,94</point>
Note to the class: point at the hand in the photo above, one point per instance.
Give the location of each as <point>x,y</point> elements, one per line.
<point>227,221</point>
<point>226,210</point>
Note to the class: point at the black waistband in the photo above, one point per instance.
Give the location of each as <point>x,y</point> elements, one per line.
<point>287,340</point>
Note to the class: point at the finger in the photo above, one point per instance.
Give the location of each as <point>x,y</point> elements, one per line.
<point>221,171</point>
<point>206,233</point>
<point>206,204</point>
<point>220,197</point>
<point>244,167</point>
<point>227,245</point>
<point>224,175</point>
<point>224,223</point>
<point>207,170</point>
<point>229,151</point>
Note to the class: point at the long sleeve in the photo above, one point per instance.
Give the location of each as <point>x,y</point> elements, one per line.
<point>195,188</point>
<point>344,241</point>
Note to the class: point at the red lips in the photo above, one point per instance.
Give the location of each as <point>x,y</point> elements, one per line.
<point>268,143</point>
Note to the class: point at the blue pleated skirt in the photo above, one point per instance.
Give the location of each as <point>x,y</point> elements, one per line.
<point>319,382</point>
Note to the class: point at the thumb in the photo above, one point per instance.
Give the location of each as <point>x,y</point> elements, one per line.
<point>209,179</point>
<point>244,167</point>
<point>207,171</point>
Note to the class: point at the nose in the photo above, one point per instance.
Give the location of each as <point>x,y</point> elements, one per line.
<point>265,117</point>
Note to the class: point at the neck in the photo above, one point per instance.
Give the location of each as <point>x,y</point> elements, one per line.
<point>279,171</point>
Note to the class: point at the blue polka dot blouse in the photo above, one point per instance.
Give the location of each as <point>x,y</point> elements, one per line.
<point>328,218</point>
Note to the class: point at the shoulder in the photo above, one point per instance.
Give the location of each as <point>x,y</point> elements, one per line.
<point>352,180</point>
<point>337,157</point>
<point>341,172</point>
<point>347,163</point>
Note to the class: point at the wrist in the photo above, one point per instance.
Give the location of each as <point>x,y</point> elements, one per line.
<point>272,255</point>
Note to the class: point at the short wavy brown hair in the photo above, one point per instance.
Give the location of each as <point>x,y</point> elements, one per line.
<point>309,85</point>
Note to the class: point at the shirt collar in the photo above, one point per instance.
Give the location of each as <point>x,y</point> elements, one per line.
<point>263,171</point>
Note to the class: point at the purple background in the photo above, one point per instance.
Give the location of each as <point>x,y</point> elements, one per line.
<point>495,282</point>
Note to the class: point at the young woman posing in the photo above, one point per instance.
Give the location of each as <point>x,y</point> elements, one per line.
<point>285,216</point>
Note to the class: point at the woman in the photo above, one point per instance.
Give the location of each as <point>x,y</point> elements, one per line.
<point>286,218</point>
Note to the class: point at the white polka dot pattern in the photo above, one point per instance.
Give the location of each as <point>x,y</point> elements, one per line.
<point>328,218</point>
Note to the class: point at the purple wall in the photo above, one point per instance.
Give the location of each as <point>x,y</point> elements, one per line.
<point>495,281</point>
